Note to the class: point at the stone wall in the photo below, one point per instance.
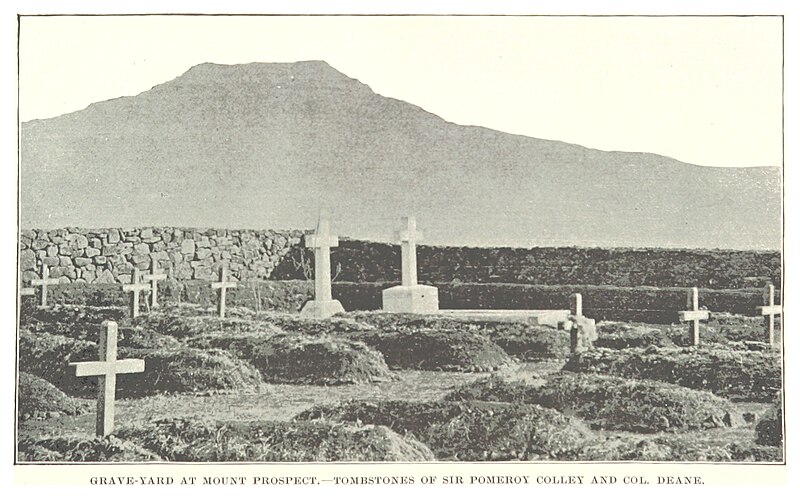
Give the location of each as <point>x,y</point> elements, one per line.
<point>109,255</point>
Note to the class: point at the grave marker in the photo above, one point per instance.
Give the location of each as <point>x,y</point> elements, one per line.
<point>153,277</point>
<point>107,369</point>
<point>222,286</point>
<point>768,311</point>
<point>582,331</point>
<point>135,287</point>
<point>693,316</point>
<point>43,283</point>
<point>410,296</point>
<point>323,304</point>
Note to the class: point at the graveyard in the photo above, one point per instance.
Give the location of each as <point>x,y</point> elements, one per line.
<point>142,346</point>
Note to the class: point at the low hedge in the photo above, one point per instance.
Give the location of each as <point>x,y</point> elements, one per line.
<point>611,402</point>
<point>737,375</point>
<point>197,440</point>
<point>469,431</point>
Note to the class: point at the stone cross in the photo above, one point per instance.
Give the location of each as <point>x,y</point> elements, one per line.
<point>222,286</point>
<point>693,316</point>
<point>153,277</point>
<point>408,237</point>
<point>107,369</point>
<point>134,288</point>
<point>321,242</point>
<point>43,283</point>
<point>769,310</point>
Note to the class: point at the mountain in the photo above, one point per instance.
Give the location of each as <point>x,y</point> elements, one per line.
<point>265,145</point>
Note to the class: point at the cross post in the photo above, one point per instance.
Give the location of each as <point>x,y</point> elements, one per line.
<point>321,242</point>
<point>43,283</point>
<point>222,286</point>
<point>107,369</point>
<point>134,288</point>
<point>153,277</point>
<point>768,311</point>
<point>408,236</point>
<point>576,305</point>
<point>693,315</point>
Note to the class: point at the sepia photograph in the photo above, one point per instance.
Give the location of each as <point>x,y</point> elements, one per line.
<point>400,238</point>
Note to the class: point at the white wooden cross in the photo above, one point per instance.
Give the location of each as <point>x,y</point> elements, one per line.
<point>134,288</point>
<point>222,286</point>
<point>321,242</point>
<point>576,305</point>
<point>153,277</point>
<point>408,236</point>
<point>769,310</point>
<point>107,369</point>
<point>43,283</point>
<point>693,316</point>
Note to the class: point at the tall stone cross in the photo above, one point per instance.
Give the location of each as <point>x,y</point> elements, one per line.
<point>410,296</point>
<point>693,316</point>
<point>323,304</point>
<point>135,287</point>
<point>43,283</point>
<point>222,286</point>
<point>769,310</point>
<point>107,369</point>
<point>408,236</point>
<point>153,277</point>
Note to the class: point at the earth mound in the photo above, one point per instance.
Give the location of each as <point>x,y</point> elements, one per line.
<point>41,399</point>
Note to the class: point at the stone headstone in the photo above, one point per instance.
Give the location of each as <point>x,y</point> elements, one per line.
<point>410,296</point>
<point>323,304</point>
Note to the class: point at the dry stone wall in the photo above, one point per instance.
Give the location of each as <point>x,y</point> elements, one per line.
<point>109,255</point>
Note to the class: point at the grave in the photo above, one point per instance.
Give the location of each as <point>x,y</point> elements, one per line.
<point>135,287</point>
<point>154,277</point>
<point>582,330</point>
<point>43,283</point>
<point>768,311</point>
<point>222,286</point>
<point>410,296</point>
<point>107,369</point>
<point>693,316</point>
<point>323,305</point>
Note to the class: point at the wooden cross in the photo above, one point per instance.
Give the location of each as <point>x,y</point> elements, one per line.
<point>135,287</point>
<point>221,287</point>
<point>43,283</point>
<point>107,369</point>
<point>153,277</point>
<point>408,237</point>
<point>769,310</point>
<point>321,242</point>
<point>693,316</point>
<point>576,305</point>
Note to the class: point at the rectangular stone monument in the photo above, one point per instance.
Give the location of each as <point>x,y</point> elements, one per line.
<point>693,316</point>
<point>154,277</point>
<point>323,304</point>
<point>135,287</point>
<point>410,296</point>
<point>43,283</point>
<point>768,311</point>
<point>222,286</point>
<point>107,369</point>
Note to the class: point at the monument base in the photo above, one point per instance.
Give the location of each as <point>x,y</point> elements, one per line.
<point>321,309</point>
<point>411,299</point>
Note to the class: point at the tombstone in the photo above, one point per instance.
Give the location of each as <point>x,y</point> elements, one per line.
<point>107,369</point>
<point>222,286</point>
<point>768,311</point>
<point>153,277</point>
<point>43,283</point>
<point>135,287</point>
<point>323,304</point>
<point>693,316</point>
<point>410,296</point>
<point>582,330</point>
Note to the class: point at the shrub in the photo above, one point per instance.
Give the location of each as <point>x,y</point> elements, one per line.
<point>616,335</point>
<point>769,429</point>
<point>81,449</point>
<point>611,402</point>
<point>197,440</point>
<point>37,398</point>
<point>468,431</point>
<point>737,375</point>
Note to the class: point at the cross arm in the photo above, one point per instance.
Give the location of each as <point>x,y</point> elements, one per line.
<point>775,309</point>
<point>27,291</point>
<point>45,281</point>
<point>319,241</point>
<point>223,285</point>
<point>94,368</point>
<point>688,316</point>
<point>154,276</point>
<point>135,287</point>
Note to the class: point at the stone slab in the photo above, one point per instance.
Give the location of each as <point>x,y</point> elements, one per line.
<point>321,309</point>
<point>411,299</point>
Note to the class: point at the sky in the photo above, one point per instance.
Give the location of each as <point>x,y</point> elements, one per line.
<point>704,90</point>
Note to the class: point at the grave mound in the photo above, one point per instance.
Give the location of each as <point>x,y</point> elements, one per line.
<point>41,399</point>
<point>198,440</point>
<point>769,429</point>
<point>183,326</point>
<point>48,356</point>
<point>677,447</point>
<point>426,349</point>
<point>81,449</point>
<point>296,359</point>
<point>77,322</point>
<point>725,328</point>
<point>736,375</point>
<point>617,335</point>
<point>611,403</point>
<point>468,431</point>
